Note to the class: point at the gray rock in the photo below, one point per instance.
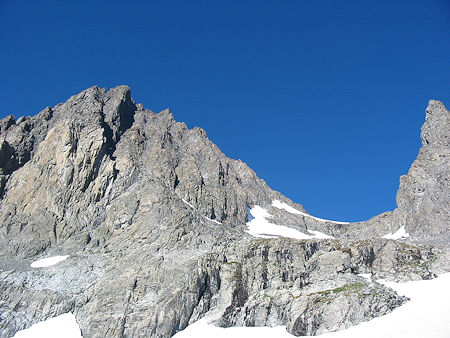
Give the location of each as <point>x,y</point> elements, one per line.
<point>423,198</point>
<point>153,217</point>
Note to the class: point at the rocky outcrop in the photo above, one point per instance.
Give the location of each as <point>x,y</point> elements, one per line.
<point>18,139</point>
<point>153,217</point>
<point>423,198</point>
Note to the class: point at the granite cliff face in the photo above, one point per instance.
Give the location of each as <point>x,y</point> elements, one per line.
<point>154,219</point>
<point>423,198</point>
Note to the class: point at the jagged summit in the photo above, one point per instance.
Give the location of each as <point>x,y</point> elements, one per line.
<point>436,126</point>
<point>161,229</point>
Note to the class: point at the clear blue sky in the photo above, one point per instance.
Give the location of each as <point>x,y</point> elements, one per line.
<point>323,99</point>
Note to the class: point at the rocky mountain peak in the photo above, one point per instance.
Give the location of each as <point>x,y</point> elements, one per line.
<point>422,199</point>
<point>159,229</point>
<point>436,126</point>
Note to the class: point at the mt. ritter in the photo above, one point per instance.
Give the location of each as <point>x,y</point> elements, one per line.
<point>153,228</point>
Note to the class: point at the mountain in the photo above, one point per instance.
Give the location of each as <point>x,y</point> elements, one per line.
<point>152,227</point>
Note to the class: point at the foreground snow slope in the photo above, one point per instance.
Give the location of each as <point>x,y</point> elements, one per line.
<point>426,315</point>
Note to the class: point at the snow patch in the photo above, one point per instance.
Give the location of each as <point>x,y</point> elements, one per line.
<point>366,276</point>
<point>187,203</point>
<point>209,219</point>
<point>281,205</point>
<point>320,235</point>
<point>201,329</point>
<point>64,325</point>
<point>49,261</point>
<point>400,233</point>
<point>212,220</point>
<point>259,226</point>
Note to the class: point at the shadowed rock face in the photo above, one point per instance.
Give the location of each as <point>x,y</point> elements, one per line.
<point>153,217</point>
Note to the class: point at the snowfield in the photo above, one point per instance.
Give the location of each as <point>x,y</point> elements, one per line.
<point>259,226</point>
<point>426,315</point>
<point>63,326</point>
<point>49,261</point>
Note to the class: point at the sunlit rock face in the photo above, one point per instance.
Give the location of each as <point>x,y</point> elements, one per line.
<point>423,198</point>
<point>162,229</point>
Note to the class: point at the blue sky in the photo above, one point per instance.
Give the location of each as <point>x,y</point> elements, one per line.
<point>323,99</point>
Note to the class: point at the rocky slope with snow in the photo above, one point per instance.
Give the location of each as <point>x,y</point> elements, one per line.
<point>155,228</point>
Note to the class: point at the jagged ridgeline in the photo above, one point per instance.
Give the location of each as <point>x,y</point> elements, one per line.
<point>162,229</point>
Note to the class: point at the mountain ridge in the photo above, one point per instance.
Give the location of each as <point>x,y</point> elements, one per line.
<point>154,219</point>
